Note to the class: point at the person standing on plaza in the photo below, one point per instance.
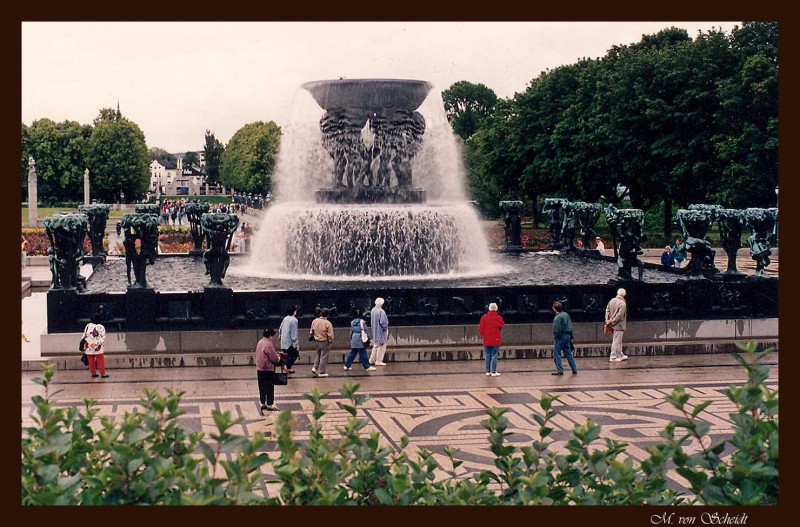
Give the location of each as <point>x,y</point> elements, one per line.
<point>357,344</point>
<point>267,359</point>
<point>290,342</point>
<point>489,329</point>
<point>380,333</point>
<point>667,260</point>
<point>322,330</point>
<point>616,316</point>
<point>95,335</point>
<point>678,254</point>
<point>562,339</point>
<point>25,246</point>
<point>599,244</point>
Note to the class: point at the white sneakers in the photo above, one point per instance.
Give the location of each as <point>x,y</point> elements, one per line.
<point>314,371</point>
<point>322,375</point>
<point>495,374</point>
<point>347,369</point>
<point>371,368</point>
<point>380,364</point>
<point>618,359</point>
<point>488,374</point>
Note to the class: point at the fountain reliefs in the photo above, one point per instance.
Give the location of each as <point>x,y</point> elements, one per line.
<point>372,131</point>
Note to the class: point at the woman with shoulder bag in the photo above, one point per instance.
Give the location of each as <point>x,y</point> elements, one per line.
<point>358,342</point>
<point>95,335</point>
<point>267,359</point>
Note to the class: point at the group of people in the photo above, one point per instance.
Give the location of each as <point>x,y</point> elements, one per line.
<point>172,211</point>
<point>615,318</point>
<point>240,243</point>
<point>674,256</point>
<point>270,361</point>
<point>321,334</point>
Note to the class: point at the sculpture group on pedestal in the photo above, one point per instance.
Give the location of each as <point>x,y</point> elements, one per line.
<point>194,211</point>
<point>762,224</point>
<point>586,216</point>
<point>731,222</point>
<point>66,233</point>
<point>219,228</point>
<point>554,207</point>
<point>626,225</point>
<point>694,223</point>
<point>98,217</point>
<point>512,221</point>
<point>141,227</point>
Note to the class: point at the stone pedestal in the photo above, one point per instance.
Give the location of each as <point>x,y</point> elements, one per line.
<point>700,296</point>
<point>141,309</point>
<point>62,309</point>
<point>218,307</point>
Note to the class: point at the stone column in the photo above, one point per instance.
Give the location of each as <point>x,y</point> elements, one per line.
<point>86,187</point>
<point>33,198</point>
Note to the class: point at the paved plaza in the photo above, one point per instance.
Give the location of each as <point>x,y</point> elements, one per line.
<point>436,404</point>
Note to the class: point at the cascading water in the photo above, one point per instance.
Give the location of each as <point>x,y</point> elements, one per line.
<point>369,182</point>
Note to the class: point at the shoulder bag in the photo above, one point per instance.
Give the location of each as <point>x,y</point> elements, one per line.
<point>364,336</point>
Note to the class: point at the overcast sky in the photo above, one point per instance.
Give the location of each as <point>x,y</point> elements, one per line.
<point>175,80</point>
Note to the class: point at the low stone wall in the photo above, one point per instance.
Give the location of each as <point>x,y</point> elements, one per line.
<point>418,343</point>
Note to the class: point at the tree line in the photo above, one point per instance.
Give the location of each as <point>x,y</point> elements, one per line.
<point>114,150</point>
<point>664,122</point>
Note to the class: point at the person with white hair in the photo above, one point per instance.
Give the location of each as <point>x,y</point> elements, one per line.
<point>379,323</point>
<point>489,328</point>
<point>616,315</point>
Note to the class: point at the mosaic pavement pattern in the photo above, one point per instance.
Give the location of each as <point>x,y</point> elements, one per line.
<point>435,419</point>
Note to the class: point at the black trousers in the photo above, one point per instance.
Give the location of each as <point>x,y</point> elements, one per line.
<point>266,388</point>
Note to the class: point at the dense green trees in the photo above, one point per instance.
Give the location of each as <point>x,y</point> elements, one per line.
<point>249,158</point>
<point>59,150</point>
<point>191,158</point>
<point>466,105</point>
<point>159,153</point>
<point>113,149</point>
<point>117,158</point>
<point>667,121</point>
<point>213,151</point>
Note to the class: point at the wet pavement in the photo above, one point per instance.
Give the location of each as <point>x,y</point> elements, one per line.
<point>436,404</point>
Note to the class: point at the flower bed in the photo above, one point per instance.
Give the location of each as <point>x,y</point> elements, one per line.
<point>38,242</point>
<point>170,240</point>
<point>531,238</point>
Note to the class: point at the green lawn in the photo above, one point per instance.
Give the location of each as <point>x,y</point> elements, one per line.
<point>44,212</point>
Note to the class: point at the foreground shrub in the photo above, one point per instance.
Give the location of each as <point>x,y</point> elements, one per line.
<point>71,457</point>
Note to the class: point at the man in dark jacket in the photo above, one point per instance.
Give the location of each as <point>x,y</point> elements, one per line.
<point>562,335</point>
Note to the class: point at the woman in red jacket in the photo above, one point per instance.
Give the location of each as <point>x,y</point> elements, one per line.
<point>489,329</point>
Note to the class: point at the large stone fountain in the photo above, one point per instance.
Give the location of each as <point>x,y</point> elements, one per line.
<point>365,212</point>
<point>370,201</point>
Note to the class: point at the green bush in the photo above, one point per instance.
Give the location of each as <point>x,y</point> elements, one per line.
<point>72,457</point>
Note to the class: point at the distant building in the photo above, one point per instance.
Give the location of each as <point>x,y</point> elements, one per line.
<point>163,173</point>
<point>173,180</point>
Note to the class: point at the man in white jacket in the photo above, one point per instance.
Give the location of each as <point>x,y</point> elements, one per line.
<point>616,315</point>
<point>379,324</point>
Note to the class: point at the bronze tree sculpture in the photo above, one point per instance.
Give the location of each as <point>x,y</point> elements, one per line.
<point>98,217</point>
<point>66,233</point>
<point>142,228</point>
<point>219,228</point>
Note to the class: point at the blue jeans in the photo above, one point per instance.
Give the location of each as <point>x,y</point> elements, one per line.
<point>561,344</point>
<point>490,352</point>
<point>362,357</point>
